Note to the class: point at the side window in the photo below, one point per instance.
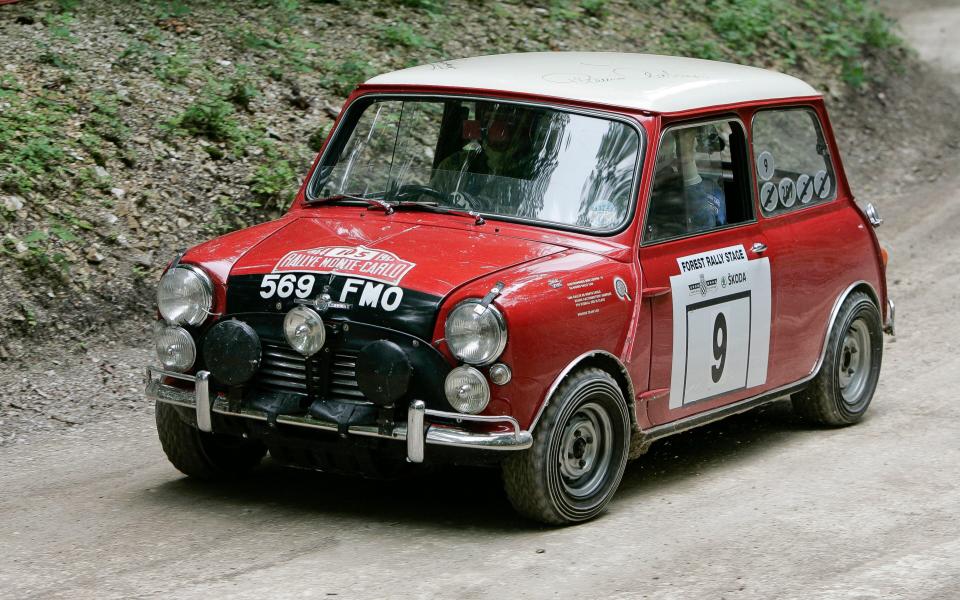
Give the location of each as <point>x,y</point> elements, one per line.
<point>701,181</point>
<point>793,164</point>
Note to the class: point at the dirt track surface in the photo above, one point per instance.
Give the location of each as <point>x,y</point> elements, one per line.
<point>759,506</point>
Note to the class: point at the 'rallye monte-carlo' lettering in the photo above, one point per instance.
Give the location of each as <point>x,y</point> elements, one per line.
<point>378,265</point>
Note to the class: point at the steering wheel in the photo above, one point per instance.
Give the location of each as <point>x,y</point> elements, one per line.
<point>414,190</point>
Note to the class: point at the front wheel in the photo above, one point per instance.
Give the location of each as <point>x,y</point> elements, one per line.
<point>578,455</point>
<point>204,455</point>
<point>841,392</point>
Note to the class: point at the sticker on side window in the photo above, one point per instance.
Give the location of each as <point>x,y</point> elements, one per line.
<point>721,324</point>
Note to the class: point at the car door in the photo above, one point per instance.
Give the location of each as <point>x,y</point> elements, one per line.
<point>707,279</point>
<point>807,229</point>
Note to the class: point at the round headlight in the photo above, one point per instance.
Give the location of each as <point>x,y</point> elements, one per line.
<point>475,338</point>
<point>304,330</point>
<point>185,296</point>
<point>467,390</point>
<point>175,347</point>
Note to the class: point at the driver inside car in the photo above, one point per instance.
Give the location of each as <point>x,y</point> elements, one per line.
<point>684,199</point>
<point>496,152</point>
<point>706,207</point>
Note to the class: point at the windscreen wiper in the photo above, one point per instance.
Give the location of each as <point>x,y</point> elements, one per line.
<point>435,207</point>
<point>386,206</point>
<point>390,207</point>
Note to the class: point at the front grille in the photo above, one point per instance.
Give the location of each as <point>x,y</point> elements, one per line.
<point>343,378</point>
<point>282,369</point>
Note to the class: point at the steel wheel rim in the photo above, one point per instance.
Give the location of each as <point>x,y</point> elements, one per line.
<point>855,362</point>
<point>586,453</point>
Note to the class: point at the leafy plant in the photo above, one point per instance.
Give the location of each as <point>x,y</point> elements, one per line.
<point>431,6</point>
<point>241,90</point>
<point>211,117</point>
<point>174,68</point>
<point>341,77</point>
<point>401,34</point>
<point>595,8</point>
<point>274,182</point>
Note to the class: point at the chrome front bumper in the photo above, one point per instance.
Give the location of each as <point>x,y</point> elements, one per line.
<point>431,425</point>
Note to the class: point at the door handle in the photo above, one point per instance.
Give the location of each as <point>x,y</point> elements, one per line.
<point>758,248</point>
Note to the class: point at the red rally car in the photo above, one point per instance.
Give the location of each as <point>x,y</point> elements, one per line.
<point>539,261</point>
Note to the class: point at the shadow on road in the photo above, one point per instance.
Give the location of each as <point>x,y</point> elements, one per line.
<point>458,498</point>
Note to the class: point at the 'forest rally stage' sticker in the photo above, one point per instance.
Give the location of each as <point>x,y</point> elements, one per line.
<point>358,261</point>
<point>721,324</point>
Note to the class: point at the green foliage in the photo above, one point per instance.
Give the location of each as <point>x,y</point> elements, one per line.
<point>401,34</point>
<point>174,68</point>
<point>341,77</point>
<point>173,9</point>
<point>67,5</point>
<point>317,138</point>
<point>430,6</point>
<point>273,182</point>
<point>48,56</point>
<point>241,90</point>
<point>563,10</point>
<point>211,117</point>
<point>105,122</point>
<point>743,24</point>
<point>595,8</point>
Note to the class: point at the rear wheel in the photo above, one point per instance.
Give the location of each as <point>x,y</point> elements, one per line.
<point>841,392</point>
<point>578,457</point>
<point>204,455</point>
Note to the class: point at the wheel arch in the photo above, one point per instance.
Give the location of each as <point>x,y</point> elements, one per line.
<point>857,286</point>
<point>604,361</point>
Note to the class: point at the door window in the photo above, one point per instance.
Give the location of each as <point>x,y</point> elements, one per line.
<point>792,160</point>
<point>701,181</point>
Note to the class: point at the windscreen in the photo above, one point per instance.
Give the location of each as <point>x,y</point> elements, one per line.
<point>495,158</point>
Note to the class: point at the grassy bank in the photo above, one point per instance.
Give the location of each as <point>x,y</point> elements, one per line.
<point>128,131</point>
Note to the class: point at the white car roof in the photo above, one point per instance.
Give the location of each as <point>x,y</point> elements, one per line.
<point>662,84</point>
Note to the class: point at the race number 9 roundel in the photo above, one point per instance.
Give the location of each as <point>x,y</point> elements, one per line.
<point>721,324</point>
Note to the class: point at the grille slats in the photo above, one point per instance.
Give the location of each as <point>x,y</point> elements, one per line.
<point>343,381</point>
<point>276,354</point>
<point>285,384</point>
<point>286,364</point>
<point>294,375</point>
<point>283,370</point>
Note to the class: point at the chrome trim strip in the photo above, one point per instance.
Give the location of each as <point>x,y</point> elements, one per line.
<point>566,371</point>
<point>202,390</point>
<point>720,412</point>
<point>415,443</point>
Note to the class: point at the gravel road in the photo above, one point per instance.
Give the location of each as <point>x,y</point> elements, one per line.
<point>759,506</point>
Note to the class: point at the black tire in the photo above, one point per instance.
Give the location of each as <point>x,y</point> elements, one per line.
<point>841,392</point>
<point>204,455</point>
<point>552,482</point>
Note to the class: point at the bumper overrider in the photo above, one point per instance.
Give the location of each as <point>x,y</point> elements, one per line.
<point>424,426</point>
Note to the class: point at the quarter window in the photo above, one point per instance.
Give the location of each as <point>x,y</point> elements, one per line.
<point>793,163</point>
<point>700,181</point>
